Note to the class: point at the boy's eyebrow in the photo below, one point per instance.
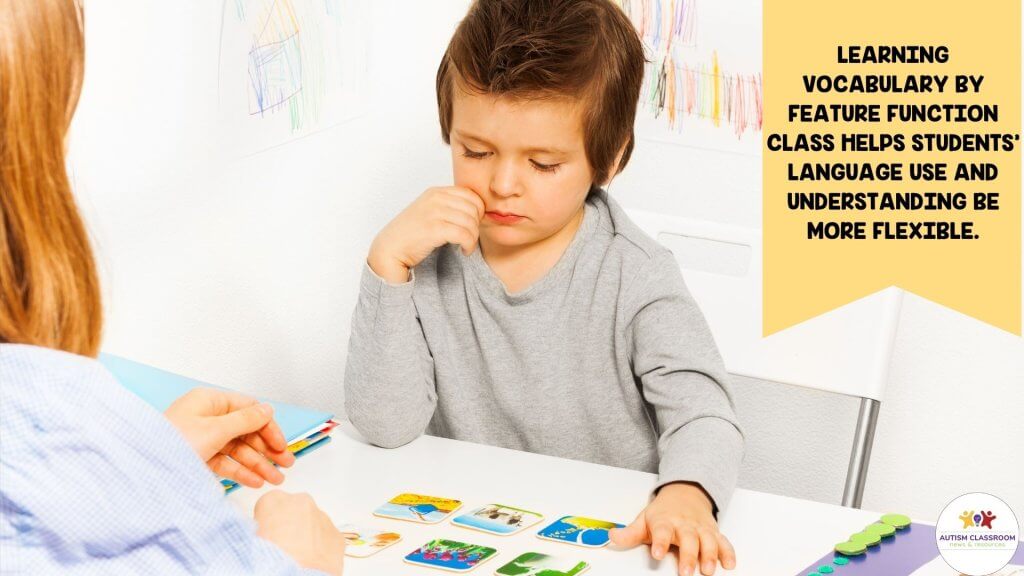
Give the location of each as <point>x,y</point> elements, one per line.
<point>535,149</point>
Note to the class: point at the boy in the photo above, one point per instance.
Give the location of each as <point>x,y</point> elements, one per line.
<point>559,327</point>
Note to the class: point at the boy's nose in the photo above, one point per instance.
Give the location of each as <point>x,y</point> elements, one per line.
<point>505,180</point>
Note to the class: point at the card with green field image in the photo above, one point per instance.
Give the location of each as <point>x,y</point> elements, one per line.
<point>537,564</point>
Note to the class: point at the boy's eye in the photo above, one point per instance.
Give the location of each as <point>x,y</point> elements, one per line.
<point>473,154</point>
<point>545,167</point>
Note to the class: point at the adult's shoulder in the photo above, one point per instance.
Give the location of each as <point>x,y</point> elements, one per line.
<point>35,370</point>
<point>51,391</point>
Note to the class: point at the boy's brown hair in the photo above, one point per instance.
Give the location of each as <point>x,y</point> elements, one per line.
<point>587,50</point>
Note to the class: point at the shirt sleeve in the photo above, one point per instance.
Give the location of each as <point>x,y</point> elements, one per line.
<point>390,394</point>
<point>95,481</point>
<point>684,381</point>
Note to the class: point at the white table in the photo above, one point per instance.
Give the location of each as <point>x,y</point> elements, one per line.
<point>773,535</point>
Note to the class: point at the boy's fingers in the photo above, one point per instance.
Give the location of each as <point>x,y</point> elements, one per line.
<point>708,552</point>
<point>726,553</point>
<point>688,545</point>
<point>472,197</point>
<point>462,220</point>
<point>456,234</point>
<point>661,539</point>
<point>459,204</point>
<point>631,535</point>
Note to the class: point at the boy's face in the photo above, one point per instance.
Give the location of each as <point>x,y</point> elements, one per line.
<point>526,161</point>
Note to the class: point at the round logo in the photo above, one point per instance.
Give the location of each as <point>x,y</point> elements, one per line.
<point>977,534</point>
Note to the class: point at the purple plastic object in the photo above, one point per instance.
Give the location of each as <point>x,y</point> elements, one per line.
<point>899,555</point>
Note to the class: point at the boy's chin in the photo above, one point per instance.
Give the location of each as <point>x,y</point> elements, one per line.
<point>506,236</point>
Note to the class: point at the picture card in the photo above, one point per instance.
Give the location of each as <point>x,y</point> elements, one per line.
<point>363,541</point>
<point>450,555</point>
<point>498,519</point>
<point>579,530</point>
<point>418,508</point>
<point>537,564</point>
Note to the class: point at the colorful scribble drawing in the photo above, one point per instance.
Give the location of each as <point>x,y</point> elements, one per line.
<point>297,61</point>
<point>662,23</point>
<point>705,92</point>
<point>681,81</point>
<point>275,60</point>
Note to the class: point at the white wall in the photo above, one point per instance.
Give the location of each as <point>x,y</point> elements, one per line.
<point>246,273</point>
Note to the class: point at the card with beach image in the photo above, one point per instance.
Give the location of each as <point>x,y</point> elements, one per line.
<point>579,530</point>
<point>418,508</point>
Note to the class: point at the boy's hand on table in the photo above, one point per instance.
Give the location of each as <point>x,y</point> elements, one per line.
<point>233,434</point>
<point>443,215</point>
<point>681,514</point>
<point>296,525</point>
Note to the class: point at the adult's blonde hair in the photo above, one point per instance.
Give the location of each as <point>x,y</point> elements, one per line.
<point>49,290</point>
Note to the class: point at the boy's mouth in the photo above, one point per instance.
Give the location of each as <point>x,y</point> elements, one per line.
<point>506,218</point>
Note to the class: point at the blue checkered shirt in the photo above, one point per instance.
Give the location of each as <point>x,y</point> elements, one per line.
<point>95,481</point>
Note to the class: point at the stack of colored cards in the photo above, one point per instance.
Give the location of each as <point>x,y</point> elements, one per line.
<point>306,430</point>
<point>495,519</point>
<point>300,446</point>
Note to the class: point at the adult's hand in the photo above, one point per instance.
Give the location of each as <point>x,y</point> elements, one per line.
<point>296,525</point>
<point>234,434</point>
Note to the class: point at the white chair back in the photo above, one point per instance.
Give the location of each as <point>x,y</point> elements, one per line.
<point>845,351</point>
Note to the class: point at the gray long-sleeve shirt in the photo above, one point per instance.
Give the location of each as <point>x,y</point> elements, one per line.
<point>607,358</point>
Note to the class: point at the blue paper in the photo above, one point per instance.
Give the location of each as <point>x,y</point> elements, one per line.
<point>160,388</point>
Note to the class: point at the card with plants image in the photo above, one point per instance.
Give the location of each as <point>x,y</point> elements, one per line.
<point>450,555</point>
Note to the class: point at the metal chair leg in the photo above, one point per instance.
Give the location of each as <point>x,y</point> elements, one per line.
<point>860,456</point>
